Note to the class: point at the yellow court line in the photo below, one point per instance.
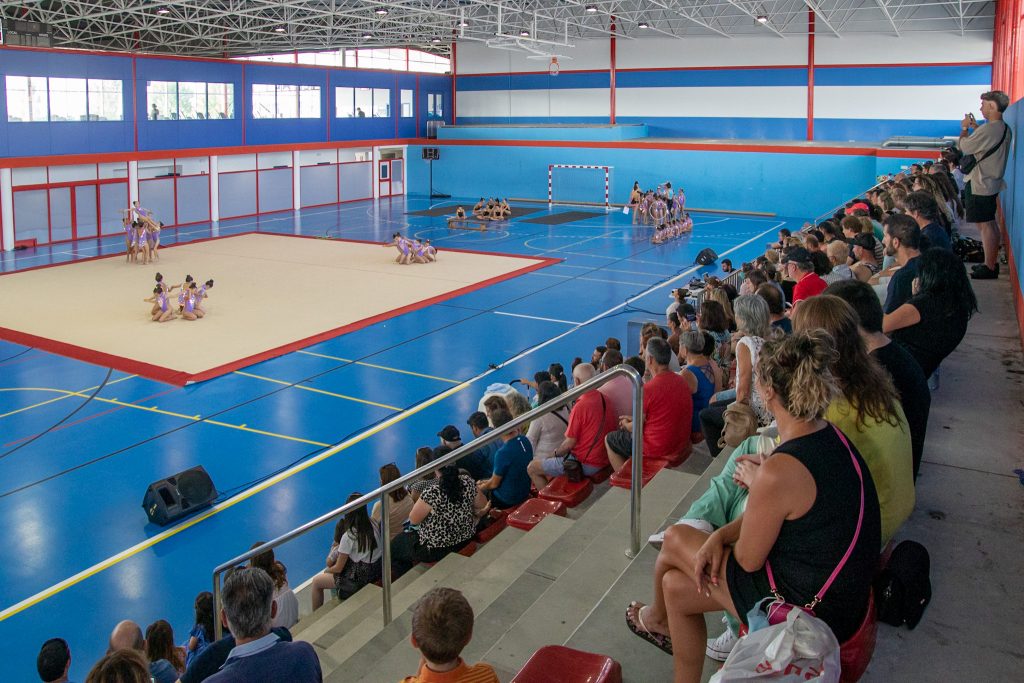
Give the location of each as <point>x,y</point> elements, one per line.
<point>54,400</point>
<point>318,391</point>
<point>381,367</point>
<point>220,507</point>
<point>193,418</point>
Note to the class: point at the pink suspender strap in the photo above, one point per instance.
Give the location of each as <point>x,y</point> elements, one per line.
<point>849,551</point>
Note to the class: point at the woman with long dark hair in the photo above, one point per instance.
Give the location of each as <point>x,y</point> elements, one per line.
<point>867,409</point>
<point>354,560</point>
<point>401,501</point>
<point>160,645</point>
<point>445,516</point>
<point>934,321</point>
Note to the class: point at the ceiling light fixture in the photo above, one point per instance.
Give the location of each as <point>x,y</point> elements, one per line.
<point>591,8</point>
<point>382,11</point>
<point>524,33</point>
<point>643,24</point>
<point>367,36</point>
<point>762,19</point>
<point>163,10</point>
<point>463,23</point>
<point>435,40</point>
<point>279,29</point>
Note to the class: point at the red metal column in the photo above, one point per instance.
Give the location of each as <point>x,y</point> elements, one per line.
<point>611,73</point>
<point>810,74</point>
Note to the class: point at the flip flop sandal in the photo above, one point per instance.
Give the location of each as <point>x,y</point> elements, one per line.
<point>658,640</point>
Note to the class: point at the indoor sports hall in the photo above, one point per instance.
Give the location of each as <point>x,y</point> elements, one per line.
<point>253,253</point>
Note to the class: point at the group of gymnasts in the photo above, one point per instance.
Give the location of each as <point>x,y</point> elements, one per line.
<point>190,300</point>
<point>488,210</point>
<point>141,234</point>
<point>412,250</point>
<point>663,209</point>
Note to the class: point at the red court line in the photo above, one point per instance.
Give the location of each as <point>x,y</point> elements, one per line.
<point>181,378</point>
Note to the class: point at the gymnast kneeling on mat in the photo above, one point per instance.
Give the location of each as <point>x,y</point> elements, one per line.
<point>162,310</point>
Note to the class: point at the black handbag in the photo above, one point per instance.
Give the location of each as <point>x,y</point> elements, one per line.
<point>969,161</point>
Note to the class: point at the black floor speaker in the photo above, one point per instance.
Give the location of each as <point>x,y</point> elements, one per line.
<point>179,495</point>
<point>706,257</point>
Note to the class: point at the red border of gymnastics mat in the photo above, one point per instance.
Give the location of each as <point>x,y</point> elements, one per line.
<point>181,378</point>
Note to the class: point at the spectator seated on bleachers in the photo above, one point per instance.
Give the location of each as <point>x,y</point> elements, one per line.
<point>799,265</point>
<point>354,559</point>
<point>442,626</point>
<point>668,413</point>
<point>509,484</point>
<point>127,635</point>
<point>592,417</point>
<point>776,307</point>
<point>160,646</point>
<point>838,255</point>
<point>902,242</point>
<point>53,661</point>
<point>865,262</point>
<point>401,501</point>
<point>474,464</point>
<point>260,655</point>
<point>479,425</point>
<point>813,498</point>
<point>201,635</point>
<point>123,666</point>
<point>211,659</point>
<point>752,319</point>
<point>866,409</point>
<point>424,456</point>
<point>618,391</point>
<point>934,321</point>
<point>702,375</point>
<point>287,604</point>
<point>445,519</point>
<point>547,431</point>
<point>907,376</point>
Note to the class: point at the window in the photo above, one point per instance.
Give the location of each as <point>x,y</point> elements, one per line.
<point>381,103</point>
<point>105,100</point>
<point>424,61</point>
<point>344,103</point>
<point>38,98</point>
<point>392,59</point>
<point>435,105</point>
<point>285,101</point>
<point>364,102</point>
<point>68,99</point>
<point>220,101</point>
<point>189,100</point>
<point>407,104</point>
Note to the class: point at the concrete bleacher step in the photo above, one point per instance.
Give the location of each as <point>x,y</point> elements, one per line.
<point>388,656</point>
<point>580,573</point>
<point>337,616</point>
<point>604,629</point>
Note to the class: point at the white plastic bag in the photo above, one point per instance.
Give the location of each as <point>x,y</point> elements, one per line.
<point>802,648</point>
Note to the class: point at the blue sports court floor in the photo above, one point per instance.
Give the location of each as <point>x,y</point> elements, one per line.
<point>287,439</point>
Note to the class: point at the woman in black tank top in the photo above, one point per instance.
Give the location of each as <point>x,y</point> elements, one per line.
<point>801,516</point>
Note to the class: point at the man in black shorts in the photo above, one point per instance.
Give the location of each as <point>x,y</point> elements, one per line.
<point>990,145</point>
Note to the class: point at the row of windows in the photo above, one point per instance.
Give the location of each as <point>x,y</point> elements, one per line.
<point>38,98</point>
<point>393,59</point>
<point>170,100</point>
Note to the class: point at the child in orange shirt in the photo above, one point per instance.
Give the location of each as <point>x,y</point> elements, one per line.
<point>442,626</point>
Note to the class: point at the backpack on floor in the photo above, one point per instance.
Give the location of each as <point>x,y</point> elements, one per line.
<point>969,250</point>
<point>903,589</point>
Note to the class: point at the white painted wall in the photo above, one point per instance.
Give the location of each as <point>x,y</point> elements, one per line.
<point>476,58</point>
<point>652,53</point>
<point>909,48</point>
<point>768,103</point>
<point>913,102</point>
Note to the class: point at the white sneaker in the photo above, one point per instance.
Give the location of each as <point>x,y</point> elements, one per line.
<point>719,648</point>
<point>657,539</point>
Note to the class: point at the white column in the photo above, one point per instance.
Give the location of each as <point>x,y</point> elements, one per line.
<point>405,170</point>
<point>7,207</point>
<point>375,155</point>
<point>214,190</point>
<point>133,182</point>
<point>296,179</point>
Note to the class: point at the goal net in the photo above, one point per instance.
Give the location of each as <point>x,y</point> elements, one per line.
<point>574,184</point>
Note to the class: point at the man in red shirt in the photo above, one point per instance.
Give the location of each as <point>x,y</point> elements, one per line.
<point>800,267</point>
<point>668,412</point>
<point>592,417</point>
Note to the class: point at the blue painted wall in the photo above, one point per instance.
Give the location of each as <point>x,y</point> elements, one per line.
<point>795,185</point>
<point>1012,200</point>
<point>74,137</point>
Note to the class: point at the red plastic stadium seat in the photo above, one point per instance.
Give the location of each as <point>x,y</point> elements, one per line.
<point>573,666</point>
<point>469,549</point>
<point>696,437</point>
<point>678,460</point>
<point>601,475</point>
<point>855,654</point>
<point>529,514</point>
<point>500,518</point>
<point>624,477</point>
<point>566,492</point>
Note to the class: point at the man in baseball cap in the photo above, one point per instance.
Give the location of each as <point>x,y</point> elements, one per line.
<point>799,267</point>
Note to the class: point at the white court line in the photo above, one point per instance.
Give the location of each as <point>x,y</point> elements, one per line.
<point>537,317</point>
<point>281,476</point>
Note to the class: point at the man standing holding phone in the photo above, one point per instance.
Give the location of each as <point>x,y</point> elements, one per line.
<point>990,146</point>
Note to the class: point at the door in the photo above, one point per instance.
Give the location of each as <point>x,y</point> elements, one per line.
<point>384,178</point>
<point>61,216</point>
<point>86,213</point>
<point>397,177</point>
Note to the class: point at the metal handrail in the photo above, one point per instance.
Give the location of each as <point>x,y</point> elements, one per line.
<point>382,492</point>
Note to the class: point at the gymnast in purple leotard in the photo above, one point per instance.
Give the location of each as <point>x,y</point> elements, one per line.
<point>200,295</point>
<point>419,252</point>
<point>162,310</point>
<point>185,286</point>
<point>404,247</point>
<point>189,303</point>
<point>431,250</point>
